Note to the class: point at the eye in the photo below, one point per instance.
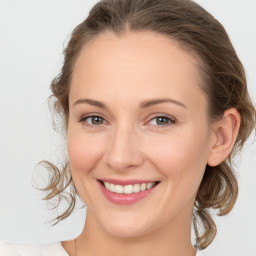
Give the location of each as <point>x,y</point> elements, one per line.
<point>92,120</point>
<point>162,120</point>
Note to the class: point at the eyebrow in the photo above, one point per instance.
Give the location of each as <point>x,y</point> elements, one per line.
<point>148,103</point>
<point>144,104</point>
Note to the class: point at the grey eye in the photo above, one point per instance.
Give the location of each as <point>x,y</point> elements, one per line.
<point>161,121</point>
<point>92,120</point>
<point>96,120</point>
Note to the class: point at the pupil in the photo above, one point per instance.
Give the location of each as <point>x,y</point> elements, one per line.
<point>162,120</point>
<point>96,120</point>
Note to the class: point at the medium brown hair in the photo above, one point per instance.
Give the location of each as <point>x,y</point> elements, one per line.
<point>224,85</point>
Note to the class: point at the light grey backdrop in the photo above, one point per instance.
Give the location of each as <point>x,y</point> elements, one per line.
<point>31,42</point>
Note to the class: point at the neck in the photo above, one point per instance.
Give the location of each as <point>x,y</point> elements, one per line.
<point>174,239</point>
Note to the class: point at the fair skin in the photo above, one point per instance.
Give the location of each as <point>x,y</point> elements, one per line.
<point>128,141</point>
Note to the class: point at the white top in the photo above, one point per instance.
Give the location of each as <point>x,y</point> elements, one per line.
<point>24,249</point>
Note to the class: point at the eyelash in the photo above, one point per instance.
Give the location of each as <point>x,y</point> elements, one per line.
<point>170,119</point>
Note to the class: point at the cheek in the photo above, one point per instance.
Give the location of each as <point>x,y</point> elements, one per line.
<point>182,159</point>
<point>83,152</point>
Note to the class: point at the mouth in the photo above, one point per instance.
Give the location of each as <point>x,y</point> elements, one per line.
<point>129,188</point>
<point>130,193</point>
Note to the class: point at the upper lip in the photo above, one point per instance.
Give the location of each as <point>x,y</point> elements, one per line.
<point>127,182</point>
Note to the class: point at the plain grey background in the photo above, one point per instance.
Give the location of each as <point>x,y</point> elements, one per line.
<point>33,33</point>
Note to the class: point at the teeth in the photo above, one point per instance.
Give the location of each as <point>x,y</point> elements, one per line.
<point>112,187</point>
<point>150,185</point>
<point>136,188</point>
<point>128,189</point>
<point>143,186</point>
<point>119,189</point>
<point>107,185</point>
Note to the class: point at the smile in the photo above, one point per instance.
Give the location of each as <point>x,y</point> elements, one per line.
<point>128,189</point>
<point>126,194</point>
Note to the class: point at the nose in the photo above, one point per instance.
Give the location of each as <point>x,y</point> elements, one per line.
<point>123,150</point>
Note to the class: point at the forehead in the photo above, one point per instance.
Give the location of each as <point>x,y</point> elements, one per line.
<point>140,47</point>
<point>143,62</point>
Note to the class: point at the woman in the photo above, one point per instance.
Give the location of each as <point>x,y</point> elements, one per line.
<point>155,106</point>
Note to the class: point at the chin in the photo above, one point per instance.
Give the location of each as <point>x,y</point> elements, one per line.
<point>126,229</point>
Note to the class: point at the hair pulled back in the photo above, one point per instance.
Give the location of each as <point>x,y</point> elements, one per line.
<point>224,85</point>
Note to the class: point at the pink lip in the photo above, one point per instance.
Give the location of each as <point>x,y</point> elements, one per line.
<point>127,182</point>
<point>125,199</point>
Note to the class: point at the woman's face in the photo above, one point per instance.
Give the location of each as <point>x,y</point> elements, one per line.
<point>137,115</point>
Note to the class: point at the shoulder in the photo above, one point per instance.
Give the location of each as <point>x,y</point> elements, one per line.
<point>199,253</point>
<point>8,248</point>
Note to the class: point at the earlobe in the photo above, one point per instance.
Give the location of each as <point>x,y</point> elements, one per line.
<point>225,134</point>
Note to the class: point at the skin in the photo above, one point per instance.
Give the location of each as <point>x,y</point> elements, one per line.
<point>129,142</point>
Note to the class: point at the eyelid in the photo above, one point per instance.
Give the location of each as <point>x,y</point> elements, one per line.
<point>82,119</point>
<point>170,118</point>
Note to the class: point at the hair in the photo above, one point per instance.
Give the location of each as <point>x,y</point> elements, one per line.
<point>225,87</point>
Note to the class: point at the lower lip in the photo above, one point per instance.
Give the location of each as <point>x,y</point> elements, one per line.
<point>125,199</point>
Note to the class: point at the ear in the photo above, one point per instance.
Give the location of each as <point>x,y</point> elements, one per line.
<point>225,132</point>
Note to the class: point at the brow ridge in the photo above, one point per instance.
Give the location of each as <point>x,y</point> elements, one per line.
<point>143,104</point>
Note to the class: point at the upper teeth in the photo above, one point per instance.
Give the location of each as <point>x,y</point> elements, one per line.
<point>128,189</point>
